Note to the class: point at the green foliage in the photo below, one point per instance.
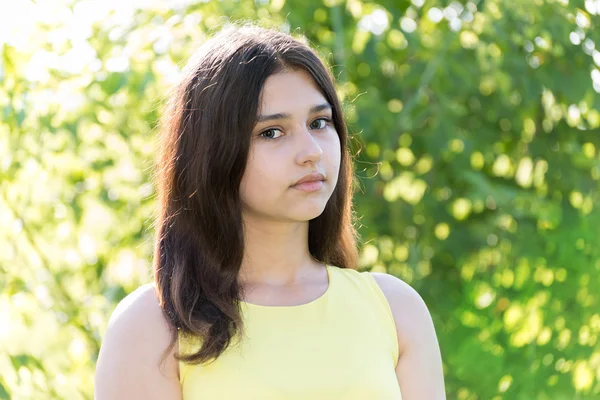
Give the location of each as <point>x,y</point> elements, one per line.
<point>477,141</point>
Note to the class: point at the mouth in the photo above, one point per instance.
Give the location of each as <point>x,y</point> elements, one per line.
<point>309,186</point>
<point>312,177</point>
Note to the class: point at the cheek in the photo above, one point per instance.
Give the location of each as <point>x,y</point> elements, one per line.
<point>258,183</point>
<point>334,159</point>
<point>333,150</point>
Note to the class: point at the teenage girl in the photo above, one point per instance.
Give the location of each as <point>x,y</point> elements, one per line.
<point>256,294</point>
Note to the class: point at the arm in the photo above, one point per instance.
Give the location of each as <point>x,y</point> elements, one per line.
<point>129,364</point>
<point>419,368</point>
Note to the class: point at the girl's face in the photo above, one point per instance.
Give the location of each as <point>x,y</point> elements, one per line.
<point>294,136</point>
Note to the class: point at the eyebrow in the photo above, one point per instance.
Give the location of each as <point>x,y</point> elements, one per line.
<point>313,110</point>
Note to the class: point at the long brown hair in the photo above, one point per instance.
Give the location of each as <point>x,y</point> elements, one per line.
<point>204,144</point>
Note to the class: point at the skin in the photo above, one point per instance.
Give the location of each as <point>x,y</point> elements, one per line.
<point>419,370</point>
<point>277,268</point>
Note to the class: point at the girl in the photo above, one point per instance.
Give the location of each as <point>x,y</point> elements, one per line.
<point>256,293</point>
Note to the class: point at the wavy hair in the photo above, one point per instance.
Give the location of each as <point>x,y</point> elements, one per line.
<point>203,149</point>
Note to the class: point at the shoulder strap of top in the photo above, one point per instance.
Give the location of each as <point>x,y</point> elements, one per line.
<point>186,345</point>
<point>381,303</point>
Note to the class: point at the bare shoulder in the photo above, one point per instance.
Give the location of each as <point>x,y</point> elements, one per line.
<point>410,312</point>
<point>131,364</point>
<point>419,370</point>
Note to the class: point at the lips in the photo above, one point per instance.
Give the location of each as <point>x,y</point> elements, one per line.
<point>312,177</point>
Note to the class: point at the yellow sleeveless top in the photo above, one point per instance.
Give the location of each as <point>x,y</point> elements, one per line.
<point>343,345</point>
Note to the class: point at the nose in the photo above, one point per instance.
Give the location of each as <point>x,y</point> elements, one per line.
<point>309,149</point>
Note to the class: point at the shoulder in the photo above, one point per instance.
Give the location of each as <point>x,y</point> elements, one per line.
<point>131,363</point>
<point>409,310</point>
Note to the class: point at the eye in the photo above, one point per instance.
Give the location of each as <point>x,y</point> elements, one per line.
<point>324,121</point>
<point>266,134</point>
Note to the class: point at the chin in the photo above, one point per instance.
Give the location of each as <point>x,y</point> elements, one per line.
<point>308,213</point>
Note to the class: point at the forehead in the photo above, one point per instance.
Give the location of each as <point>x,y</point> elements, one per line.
<point>290,90</point>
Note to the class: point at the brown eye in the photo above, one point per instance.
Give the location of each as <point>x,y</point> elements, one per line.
<point>324,122</point>
<point>266,135</point>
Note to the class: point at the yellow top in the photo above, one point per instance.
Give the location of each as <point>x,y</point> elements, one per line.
<point>343,345</point>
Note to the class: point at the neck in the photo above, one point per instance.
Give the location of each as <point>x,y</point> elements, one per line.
<point>276,253</point>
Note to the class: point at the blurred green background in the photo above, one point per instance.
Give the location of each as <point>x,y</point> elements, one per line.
<point>476,131</point>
